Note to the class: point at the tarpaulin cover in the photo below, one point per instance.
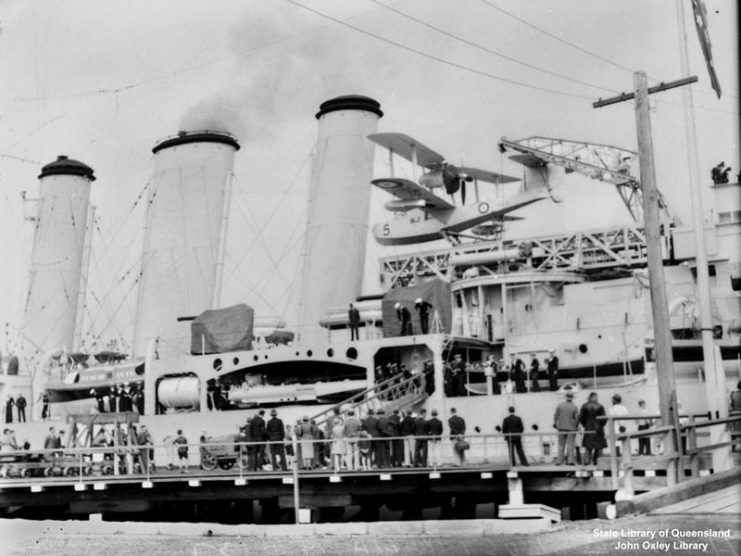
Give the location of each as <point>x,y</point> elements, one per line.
<point>435,292</point>
<point>222,330</point>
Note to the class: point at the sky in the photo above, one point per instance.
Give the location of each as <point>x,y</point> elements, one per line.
<point>103,82</point>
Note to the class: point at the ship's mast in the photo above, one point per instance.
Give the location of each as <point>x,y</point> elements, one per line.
<point>714,374</point>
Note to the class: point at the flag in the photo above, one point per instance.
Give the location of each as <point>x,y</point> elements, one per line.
<point>701,24</point>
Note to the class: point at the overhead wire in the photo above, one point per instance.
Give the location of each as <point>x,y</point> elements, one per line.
<point>436,58</point>
<point>571,44</point>
<point>489,50</point>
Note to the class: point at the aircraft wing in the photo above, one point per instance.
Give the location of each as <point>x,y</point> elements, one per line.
<point>486,175</point>
<point>403,145</point>
<point>529,160</point>
<point>406,190</point>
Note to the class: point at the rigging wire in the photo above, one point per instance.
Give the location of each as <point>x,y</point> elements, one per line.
<point>436,58</point>
<point>576,46</point>
<point>489,50</point>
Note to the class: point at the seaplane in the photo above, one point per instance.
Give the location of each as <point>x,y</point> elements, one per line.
<point>422,214</point>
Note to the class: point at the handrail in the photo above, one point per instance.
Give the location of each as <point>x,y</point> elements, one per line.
<point>388,388</point>
<point>682,431</point>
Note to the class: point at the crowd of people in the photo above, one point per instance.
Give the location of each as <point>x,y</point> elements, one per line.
<point>515,373</point>
<point>375,440</point>
<point>120,398</point>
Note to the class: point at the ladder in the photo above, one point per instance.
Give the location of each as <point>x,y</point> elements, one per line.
<point>391,394</point>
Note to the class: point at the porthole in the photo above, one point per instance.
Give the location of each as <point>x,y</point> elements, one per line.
<point>235,361</point>
<point>217,364</point>
<point>255,357</point>
<point>351,353</point>
<point>583,348</point>
<point>330,352</point>
<point>309,353</point>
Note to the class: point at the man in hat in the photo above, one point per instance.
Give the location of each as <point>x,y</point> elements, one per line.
<point>566,422</point>
<point>406,429</point>
<point>353,317</point>
<point>370,425</point>
<point>552,370</point>
<point>259,434</point>
<point>594,433</point>
<point>618,410</point>
<point>405,319</point>
<point>459,375</point>
<point>435,430</point>
<point>457,426</point>
<point>513,428</point>
<point>351,430</point>
<point>276,435</point>
<point>421,430</point>
<point>423,308</point>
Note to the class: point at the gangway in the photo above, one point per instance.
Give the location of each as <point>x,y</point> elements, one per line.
<point>599,162</point>
<point>390,394</point>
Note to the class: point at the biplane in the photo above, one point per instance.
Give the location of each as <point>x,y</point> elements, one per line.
<point>423,215</point>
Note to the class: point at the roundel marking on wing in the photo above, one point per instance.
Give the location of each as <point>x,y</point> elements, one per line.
<point>483,207</point>
<point>388,184</point>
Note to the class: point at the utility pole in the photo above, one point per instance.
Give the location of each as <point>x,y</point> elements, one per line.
<point>652,230</point>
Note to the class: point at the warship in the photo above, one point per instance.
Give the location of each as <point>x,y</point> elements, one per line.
<point>575,303</point>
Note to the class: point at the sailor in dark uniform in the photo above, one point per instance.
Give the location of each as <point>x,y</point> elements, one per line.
<point>424,314</point>
<point>405,319</point>
<point>553,371</point>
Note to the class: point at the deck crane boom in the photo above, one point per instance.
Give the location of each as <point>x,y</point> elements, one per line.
<point>600,162</point>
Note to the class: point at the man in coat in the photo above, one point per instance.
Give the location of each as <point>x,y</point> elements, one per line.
<point>407,431</point>
<point>553,371</point>
<point>513,428</point>
<point>370,424</point>
<point>435,430</point>
<point>421,430</point>
<point>594,432</point>
<point>457,426</point>
<point>20,405</point>
<point>259,434</point>
<point>518,376</point>
<point>534,372</point>
<point>276,432</point>
<point>351,430</point>
<point>353,317</point>
<point>566,422</point>
<point>423,308</point>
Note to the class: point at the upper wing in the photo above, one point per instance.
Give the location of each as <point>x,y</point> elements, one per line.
<point>407,190</point>
<point>486,175</point>
<point>403,145</point>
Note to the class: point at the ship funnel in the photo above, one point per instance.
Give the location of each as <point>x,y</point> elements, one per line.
<point>56,266</point>
<point>339,202</point>
<point>184,234</point>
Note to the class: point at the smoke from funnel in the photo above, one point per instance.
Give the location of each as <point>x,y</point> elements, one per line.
<point>278,75</point>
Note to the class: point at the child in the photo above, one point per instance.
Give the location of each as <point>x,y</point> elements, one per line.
<point>182,443</point>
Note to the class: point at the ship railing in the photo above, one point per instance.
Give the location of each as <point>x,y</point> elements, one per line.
<point>677,444</point>
<point>392,393</point>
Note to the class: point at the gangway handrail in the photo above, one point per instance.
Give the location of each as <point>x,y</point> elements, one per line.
<point>387,387</point>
